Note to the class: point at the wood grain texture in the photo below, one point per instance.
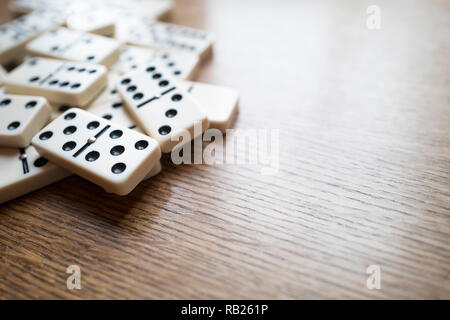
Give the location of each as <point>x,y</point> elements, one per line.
<point>364,174</point>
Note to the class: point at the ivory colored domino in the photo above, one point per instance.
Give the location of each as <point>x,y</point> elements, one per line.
<point>73,45</point>
<point>152,10</point>
<point>161,107</point>
<point>145,9</point>
<point>21,117</point>
<point>105,103</point>
<point>26,6</point>
<point>16,34</point>
<point>61,82</point>
<point>180,65</point>
<point>219,103</point>
<point>100,17</point>
<point>111,156</point>
<point>24,171</point>
<point>93,22</point>
<point>165,36</point>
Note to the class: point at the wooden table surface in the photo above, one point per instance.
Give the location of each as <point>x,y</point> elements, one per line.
<point>364,172</point>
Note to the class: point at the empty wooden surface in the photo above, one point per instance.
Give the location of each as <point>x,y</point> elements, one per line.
<point>364,172</point>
